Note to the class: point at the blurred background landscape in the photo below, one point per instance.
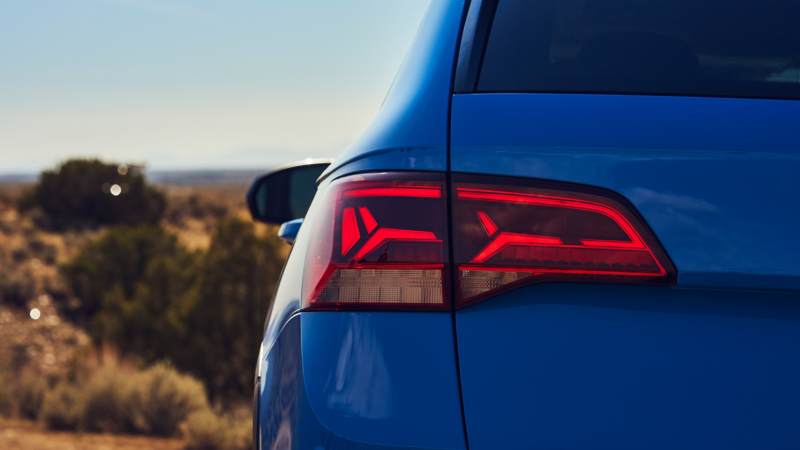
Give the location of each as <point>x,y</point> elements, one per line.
<point>133,283</point>
<point>131,308</point>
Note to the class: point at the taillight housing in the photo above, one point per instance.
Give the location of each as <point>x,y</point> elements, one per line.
<point>379,241</point>
<point>508,233</point>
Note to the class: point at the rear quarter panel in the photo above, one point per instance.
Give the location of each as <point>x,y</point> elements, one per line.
<point>709,363</point>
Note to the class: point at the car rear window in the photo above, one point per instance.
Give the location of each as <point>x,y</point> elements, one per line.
<point>720,48</point>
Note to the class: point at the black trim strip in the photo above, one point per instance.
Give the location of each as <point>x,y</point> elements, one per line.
<point>474,38</point>
<point>469,6</point>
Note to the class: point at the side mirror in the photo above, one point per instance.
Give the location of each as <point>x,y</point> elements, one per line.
<point>285,193</point>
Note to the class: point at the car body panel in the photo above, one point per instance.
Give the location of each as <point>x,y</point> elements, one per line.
<point>286,300</point>
<point>343,380</point>
<point>375,376</point>
<point>410,130</point>
<point>712,177</point>
<point>605,366</point>
<point>710,362</point>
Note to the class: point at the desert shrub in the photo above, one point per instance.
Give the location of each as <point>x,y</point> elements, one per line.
<point>204,312</point>
<point>77,194</point>
<point>45,251</point>
<point>19,255</point>
<point>63,408</point>
<point>239,423</point>
<point>237,278</point>
<point>117,260</point>
<point>165,398</point>
<point>49,254</point>
<point>6,397</point>
<point>151,323</point>
<point>205,430</point>
<point>194,206</point>
<point>36,244</point>
<point>109,401</point>
<point>16,287</point>
<point>28,393</point>
<point>104,394</point>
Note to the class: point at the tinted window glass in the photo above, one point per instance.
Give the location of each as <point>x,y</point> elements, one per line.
<point>727,48</point>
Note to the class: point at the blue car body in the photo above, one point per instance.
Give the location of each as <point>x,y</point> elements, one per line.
<point>711,361</point>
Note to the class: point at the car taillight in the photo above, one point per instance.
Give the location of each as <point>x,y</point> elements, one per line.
<point>379,241</point>
<point>506,236</point>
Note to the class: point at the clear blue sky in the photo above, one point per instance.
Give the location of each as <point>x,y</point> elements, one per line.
<point>184,84</point>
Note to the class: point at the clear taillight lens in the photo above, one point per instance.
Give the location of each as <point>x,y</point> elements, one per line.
<point>509,235</point>
<point>379,241</point>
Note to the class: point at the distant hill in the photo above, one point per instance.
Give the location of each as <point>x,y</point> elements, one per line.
<point>18,178</point>
<point>173,177</point>
<point>204,177</point>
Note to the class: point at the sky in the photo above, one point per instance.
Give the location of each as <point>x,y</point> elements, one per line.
<point>194,84</point>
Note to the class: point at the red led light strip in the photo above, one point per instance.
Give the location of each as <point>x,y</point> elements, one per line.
<point>487,223</point>
<point>350,233</point>
<point>504,240</point>
<point>558,202</point>
<point>384,235</point>
<point>369,221</point>
<point>419,192</point>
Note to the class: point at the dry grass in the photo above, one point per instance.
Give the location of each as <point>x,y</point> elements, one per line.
<point>107,394</point>
<point>104,394</point>
<point>48,347</point>
<point>206,430</point>
<point>29,275</point>
<point>192,211</point>
<point>24,435</point>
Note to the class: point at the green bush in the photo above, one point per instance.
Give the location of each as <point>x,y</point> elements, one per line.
<point>63,408</point>
<point>151,323</point>
<point>78,194</point>
<point>115,261</point>
<point>237,278</point>
<point>164,399</point>
<point>154,299</point>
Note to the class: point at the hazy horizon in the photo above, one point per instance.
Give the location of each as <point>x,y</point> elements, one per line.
<point>194,85</point>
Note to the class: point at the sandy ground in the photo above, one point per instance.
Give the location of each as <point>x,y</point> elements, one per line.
<point>22,435</point>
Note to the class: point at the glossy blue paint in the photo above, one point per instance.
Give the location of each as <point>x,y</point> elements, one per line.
<point>384,378</point>
<point>286,301</point>
<point>288,231</point>
<point>280,369</point>
<point>604,366</point>
<point>410,131</point>
<point>714,178</point>
<point>380,388</point>
<point>710,363</point>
